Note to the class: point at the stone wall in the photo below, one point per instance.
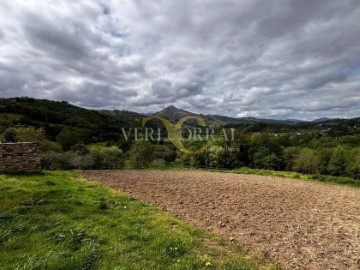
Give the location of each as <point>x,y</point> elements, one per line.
<point>20,157</point>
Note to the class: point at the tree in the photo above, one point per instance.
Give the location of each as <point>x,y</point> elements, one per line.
<point>305,161</point>
<point>353,165</point>
<point>264,158</point>
<point>69,137</point>
<point>321,160</point>
<point>338,161</point>
<point>214,156</point>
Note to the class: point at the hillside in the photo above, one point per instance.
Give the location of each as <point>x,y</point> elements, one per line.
<point>56,117</point>
<point>93,126</point>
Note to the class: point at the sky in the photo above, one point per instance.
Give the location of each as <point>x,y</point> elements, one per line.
<point>277,59</point>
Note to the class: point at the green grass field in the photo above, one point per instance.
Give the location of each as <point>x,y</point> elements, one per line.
<point>97,147</point>
<point>59,221</point>
<point>11,116</point>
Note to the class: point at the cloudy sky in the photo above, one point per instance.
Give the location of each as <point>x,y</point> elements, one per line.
<point>272,59</point>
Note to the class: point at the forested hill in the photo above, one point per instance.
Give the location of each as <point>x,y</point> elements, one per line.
<point>54,117</point>
<point>91,126</point>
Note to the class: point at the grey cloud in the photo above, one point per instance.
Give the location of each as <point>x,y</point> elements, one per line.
<point>279,59</point>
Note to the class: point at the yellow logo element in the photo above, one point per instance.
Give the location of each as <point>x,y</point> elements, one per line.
<point>174,131</point>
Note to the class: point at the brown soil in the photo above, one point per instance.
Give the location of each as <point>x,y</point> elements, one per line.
<point>301,225</point>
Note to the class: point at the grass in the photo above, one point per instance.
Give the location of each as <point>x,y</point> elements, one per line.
<point>97,147</point>
<point>11,116</point>
<point>58,220</point>
<point>347,181</point>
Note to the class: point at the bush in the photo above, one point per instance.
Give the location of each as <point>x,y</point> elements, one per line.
<point>108,158</point>
<point>10,135</point>
<point>158,162</point>
<point>30,134</point>
<point>49,146</point>
<point>141,154</point>
<point>165,152</point>
<point>80,149</point>
<point>52,160</point>
<point>72,160</point>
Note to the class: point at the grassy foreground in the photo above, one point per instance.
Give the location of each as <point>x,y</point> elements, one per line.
<point>60,221</point>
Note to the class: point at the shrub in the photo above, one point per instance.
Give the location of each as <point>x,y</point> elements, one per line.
<point>108,158</point>
<point>158,162</point>
<point>30,134</point>
<point>47,146</point>
<point>165,152</point>
<point>52,160</point>
<point>80,149</point>
<point>10,135</point>
<point>141,154</point>
<point>72,160</point>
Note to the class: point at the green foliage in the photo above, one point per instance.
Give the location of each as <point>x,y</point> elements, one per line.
<point>264,158</point>
<point>81,159</point>
<point>305,161</point>
<point>312,161</point>
<point>59,221</point>
<point>214,156</point>
<point>320,147</point>
<point>47,146</point>
<point>338,161</point>
<point>353,164</point>
<point>141,154</point>
<point>80,149</point>
<point>97,147</point>
<point>30,134</point>
<point>109,158</point>
<point>54,116</point>
<point>10,135</point>
<point>166,152</point>
<point>69,137</point>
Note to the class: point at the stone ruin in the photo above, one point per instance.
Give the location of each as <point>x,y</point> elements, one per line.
<point>19,157</point>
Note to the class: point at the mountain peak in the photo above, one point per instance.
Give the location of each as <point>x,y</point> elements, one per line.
<point>173,113</point>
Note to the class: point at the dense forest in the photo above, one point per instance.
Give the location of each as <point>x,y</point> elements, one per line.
<point>72,137</point>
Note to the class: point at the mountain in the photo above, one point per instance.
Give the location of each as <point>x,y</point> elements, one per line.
<point>173,114</point>
<point>87,126</point>
<point>320,120</point>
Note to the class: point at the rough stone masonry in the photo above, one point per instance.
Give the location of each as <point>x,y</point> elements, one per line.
<point>20,157</point>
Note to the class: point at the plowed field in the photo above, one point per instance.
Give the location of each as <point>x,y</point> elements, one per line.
<point>299,224</point>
